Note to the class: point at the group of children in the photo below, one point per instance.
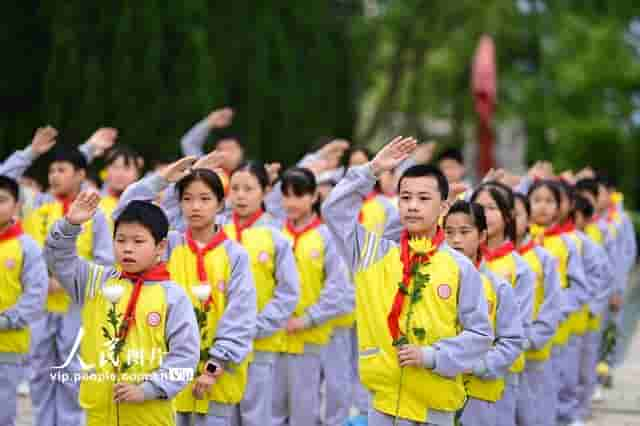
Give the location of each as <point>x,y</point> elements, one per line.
<point>219,291</point>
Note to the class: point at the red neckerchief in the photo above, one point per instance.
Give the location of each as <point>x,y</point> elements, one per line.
<point>478,262</point>
<point>489,255</point>
<point>595,218</point>
<point>568,226</point>
<point>611,212</point>
<point>554,230</point>
<point>408,262</point>
<point>526,247</point>
<point>157,273</point>
<point>200,253</point>
<point>114,193</point>
<point>248,224</point>
<point>66,203</point>
<point>297,234</point>
<point>13,231</point>
<point>370,196</point>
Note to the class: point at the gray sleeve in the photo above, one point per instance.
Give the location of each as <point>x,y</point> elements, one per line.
<point>450,357</point>
<point>34,279</point>
<point>183,348</point>
<point>236,328</point>
<point>629,247</point>
<point>273,202</point>
<point>578,292</point>
<point>17,163</point>
<point>192,143</point>
<point>393,227</point>
<point>102,240</point>
<point>331,301</point>
<point>275,314</point>
<point>509,341</point>
<point>525,283</point>
<point>145,189</point>
<point>340,212</point>
<point>597,270</point>
<point>523,187</point>
<point>550,313</point>
<point>404,166</point>
<point>63,261</point>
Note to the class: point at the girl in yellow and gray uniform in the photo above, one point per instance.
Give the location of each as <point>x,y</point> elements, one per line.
<point>537,406</point>
<point>500,257</point>
<point>322,304</point>
<point>466,229</point>
<point>448,325</point>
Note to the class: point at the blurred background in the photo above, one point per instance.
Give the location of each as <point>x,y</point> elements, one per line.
<point>567,75</point>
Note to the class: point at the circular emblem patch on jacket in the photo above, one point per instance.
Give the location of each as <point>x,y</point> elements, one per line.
<point>153,319</point>
<point>263,257</point>
<point>444,291</point>
<point>315,254</point>
<point>221,285</point>
<point>10,263</point>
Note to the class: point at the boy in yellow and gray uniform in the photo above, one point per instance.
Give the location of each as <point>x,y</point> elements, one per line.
<point>453,310</point>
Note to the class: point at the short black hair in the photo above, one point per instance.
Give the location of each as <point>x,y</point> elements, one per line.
<point>524,200</point>
<point>506,191</point>
<point>227,134</point>
<point>69,155</point>
<point>454,154</point>
<point>589,185</point>
<point>474,210</point>
<point>583,206</point>
<point>206,176</point>
<point>128,155</point>
<point>426,170</point>
<point>257,170</point>
<point>11,186</point>
<point>146,214</point>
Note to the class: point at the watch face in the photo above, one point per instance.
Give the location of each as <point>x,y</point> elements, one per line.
<point>211,368</point>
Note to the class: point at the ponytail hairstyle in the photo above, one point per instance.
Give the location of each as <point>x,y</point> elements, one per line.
<point>503,202</point>
<point>299,182</point>
<point>206,176</point>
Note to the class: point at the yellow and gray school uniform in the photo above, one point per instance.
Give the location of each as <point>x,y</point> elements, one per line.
<point>522,278</point>
<point>162,345</point>
<point>537,405</point>
<point>55,402</point>
<point>598,272</point>
<point>453,310</point>
<point>230,326</point>
<point>485,386</point>
<point>23,278</point>
<point>278,288</point>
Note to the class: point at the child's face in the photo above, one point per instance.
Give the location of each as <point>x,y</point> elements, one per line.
<point>544,208</point>
<point>233,153</point>
<point>420,203</point>
<point>495,221</point>
<point>8,207</point>
<point>120,175</point>
<point>462,235</point>
<point>245,193</point>
<point>135,249</point>
<point>603,199</point>
<point>199,205</point>
<point>453,170</point>
<point>580,220</point>
<point>298,207</point>
<point>522,219</point>
<point>358,158</point>
<point>64,179</point>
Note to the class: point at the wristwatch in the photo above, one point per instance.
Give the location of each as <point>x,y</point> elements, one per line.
<point>210,367</point>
